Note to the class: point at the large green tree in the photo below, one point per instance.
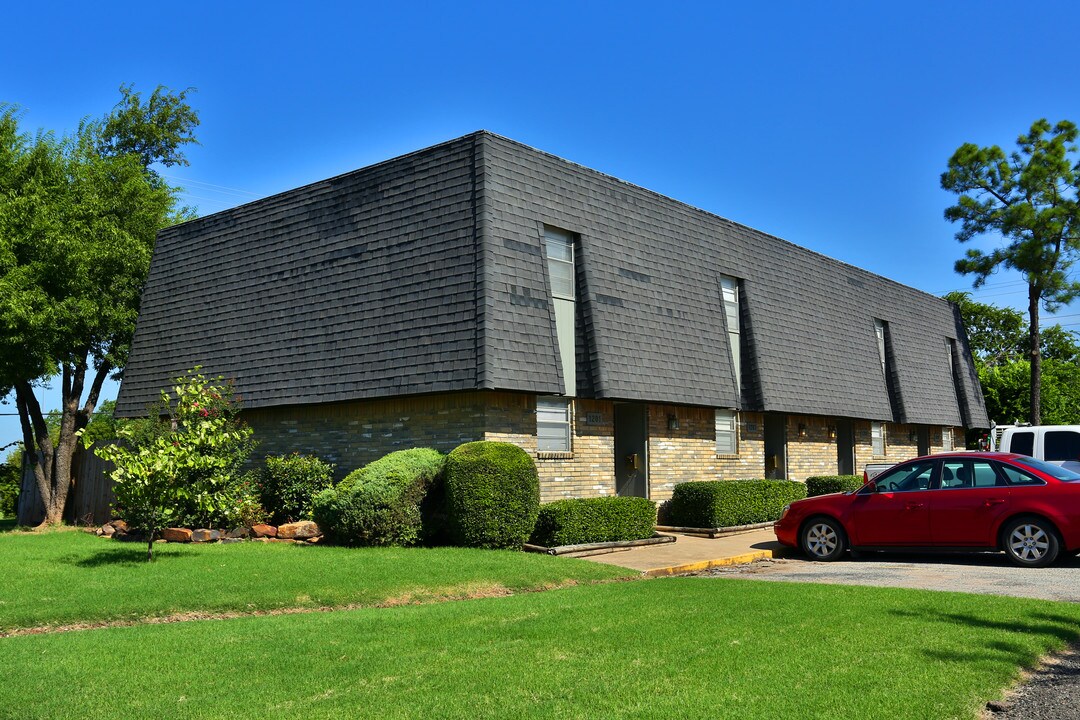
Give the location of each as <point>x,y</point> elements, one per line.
<point>78,217</point>
<point>998,337</point>
<point>1029,199</point>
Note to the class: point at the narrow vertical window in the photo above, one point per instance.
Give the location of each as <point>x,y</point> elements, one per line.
<point>946,439</point>
<point>553,424</point>
<point>729,292</point>
<point>879,331</point>
<point>877,439</point>
<point>559,248</point>
<point>727,423</point>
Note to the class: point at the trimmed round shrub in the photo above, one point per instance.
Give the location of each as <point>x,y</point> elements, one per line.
<point>288,485</point>
<point>825,484</point>
<point>729,503</point>
<point>380,504</point>
<point>492,495</point>
<point>594,520</point>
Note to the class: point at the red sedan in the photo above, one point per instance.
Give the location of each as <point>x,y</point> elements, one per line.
<point>959,501</point>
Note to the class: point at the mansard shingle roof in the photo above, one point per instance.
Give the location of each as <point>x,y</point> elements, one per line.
<point>426,273</point>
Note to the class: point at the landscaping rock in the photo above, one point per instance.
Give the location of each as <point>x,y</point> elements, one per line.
<point>120,526</point>
<point>238,533</point>
<point>202,535</point>
<point>299,530</point>
<point>312,541</point>
<point>180,535</point>
<point>231,540</point>
<point>107,530</point>
<point>264,531</point>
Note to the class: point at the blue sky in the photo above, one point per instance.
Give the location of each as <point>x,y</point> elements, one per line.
<point>825,123</point>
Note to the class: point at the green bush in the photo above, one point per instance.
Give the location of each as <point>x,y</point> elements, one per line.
<point>10,482</point>
<point>381,503</point>
<point>492,495</point>
<point>726,503</point>
<point>289,483</point>
<point>592,520</point>
<point>825,484</point>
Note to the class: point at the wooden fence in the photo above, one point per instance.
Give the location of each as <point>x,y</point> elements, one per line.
<point>89,500</point>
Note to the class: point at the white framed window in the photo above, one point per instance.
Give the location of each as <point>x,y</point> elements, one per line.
<point>559,246</point>
<point>729,294</point>
<point>553,424</point>
<point>877,439</point>
<point>727,435</point>
<point>946,439</point>
<point>879,332</point>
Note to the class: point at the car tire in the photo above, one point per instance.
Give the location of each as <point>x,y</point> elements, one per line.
<point>1030,542</point>
<point>823,538</point>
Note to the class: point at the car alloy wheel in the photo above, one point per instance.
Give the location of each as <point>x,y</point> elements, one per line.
<point>1031,542</point>
<point>823,539</point>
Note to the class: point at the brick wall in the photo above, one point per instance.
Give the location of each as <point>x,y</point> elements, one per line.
<point>587,471</point>
<point>352,434</point>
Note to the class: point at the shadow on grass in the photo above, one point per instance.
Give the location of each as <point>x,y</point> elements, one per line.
<point>8,525</point>
<point>1062,627</point>
<point>126,554</point>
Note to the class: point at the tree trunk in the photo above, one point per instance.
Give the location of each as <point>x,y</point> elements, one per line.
<point>1034,292</point>
<point>53,465</point>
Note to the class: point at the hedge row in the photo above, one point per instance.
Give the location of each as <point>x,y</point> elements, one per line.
<point>380,504</point>
<point>492,495</point>
<point>606,519</point>
<point>825,484</point>
<point>726,503</point>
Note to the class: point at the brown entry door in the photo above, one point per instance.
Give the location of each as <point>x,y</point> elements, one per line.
<point>631,449</point>
<point>775,446</point>
<point>845,447</point>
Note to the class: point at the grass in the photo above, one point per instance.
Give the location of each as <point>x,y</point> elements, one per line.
<point>64,576</point>
<point>685,647</point>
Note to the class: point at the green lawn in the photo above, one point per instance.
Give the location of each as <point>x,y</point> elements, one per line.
<point>676,648</point>
<point>72,577</point>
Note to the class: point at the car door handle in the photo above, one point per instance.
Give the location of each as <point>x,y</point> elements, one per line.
<point>993,501</point>
<point>913,505</point>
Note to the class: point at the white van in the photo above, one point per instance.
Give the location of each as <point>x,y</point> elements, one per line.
<point>1058,444</point>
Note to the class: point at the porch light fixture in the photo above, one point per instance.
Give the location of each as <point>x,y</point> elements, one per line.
<point>832,432</point>
<point>672,422</point>
<point>802,430</point>
<point>913,436</point>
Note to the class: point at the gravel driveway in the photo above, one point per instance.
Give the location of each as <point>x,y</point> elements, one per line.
<point>1050,692</point>
<point>985,573</point>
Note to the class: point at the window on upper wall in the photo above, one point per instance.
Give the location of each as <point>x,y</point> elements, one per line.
<point>727,436</point>
<point>879,332</point>
<point>729,293</point>
<point>946,439</point>
<point>877,439</point>
<point>553,424</point>
<point>559,246</point>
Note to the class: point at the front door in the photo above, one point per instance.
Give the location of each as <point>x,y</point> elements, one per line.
<point>775,447</point>
<point>898,513</point>
<point>971,499</point>
<point>845,448</point>
<point>631,449</point>
<point>923,435</point>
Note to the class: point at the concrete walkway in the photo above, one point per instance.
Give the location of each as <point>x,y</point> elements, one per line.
<point>692,554</point>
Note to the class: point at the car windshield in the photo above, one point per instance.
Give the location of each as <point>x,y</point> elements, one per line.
<point>1055,471</point>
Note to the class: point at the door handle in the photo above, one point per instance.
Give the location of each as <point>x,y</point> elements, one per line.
<point>993,501</point>
<point>913,506</point>
<point>632,461</point>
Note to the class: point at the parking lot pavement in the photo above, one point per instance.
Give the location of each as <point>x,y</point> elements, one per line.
<point>985,573</point>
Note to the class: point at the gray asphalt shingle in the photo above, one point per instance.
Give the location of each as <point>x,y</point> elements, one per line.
<point>426,273</point>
